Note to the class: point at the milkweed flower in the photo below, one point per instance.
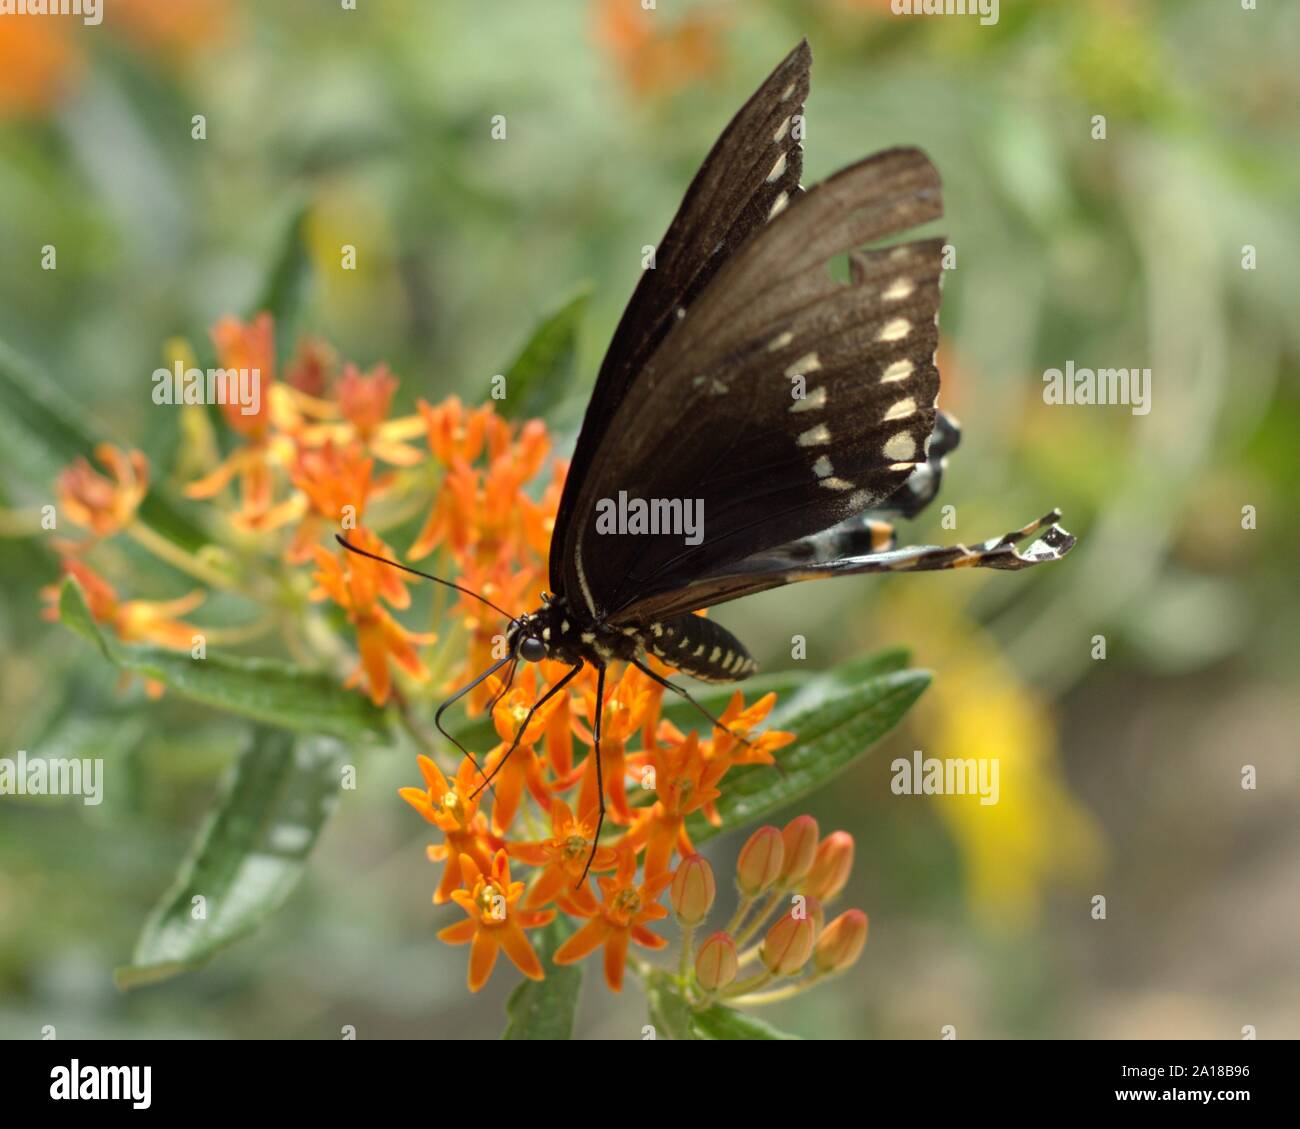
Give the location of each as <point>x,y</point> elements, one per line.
<point>104,504</point>
<point>494,922</point>
<point>358,585</point>
<point>624,911</point>
<point>563,859</point>
<point>453,809</point>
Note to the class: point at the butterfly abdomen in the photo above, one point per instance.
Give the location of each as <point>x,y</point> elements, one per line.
<point>701,648</point>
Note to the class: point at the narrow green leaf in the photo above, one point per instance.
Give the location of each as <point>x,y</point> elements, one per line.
<point>284,291</point>
<point>546,1009</point>
<point>835,731</point>
<point>719,1022</point>
<point>43,431</point>
<point>247,859</point>
<point>262,689</point>
<point>542,374</point>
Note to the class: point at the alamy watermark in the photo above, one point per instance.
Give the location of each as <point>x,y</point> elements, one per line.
<point>53,776</point>
<point>1071,385</point>
<point>90,11</point>
<point>673,517</point>
<point>951,776</point>
<point>238,386</point>
<point>987,10</point>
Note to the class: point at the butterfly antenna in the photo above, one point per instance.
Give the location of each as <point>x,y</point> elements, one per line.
<point>600,775</point>
<point>351,548</point>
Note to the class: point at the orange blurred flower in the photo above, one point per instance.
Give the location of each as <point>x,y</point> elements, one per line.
<point>102,504</point>
<point>358,585</point>
<point>657,59</point>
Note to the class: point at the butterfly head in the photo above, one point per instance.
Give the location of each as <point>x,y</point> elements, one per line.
<point>525,638</point>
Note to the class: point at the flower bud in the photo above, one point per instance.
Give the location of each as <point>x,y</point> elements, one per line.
<point>800,841</point>
<point>693,890</point>
<point>805,905</point>
<point>831,866</point>
<point>841,942</point>
<point>788,944</point>
<point>760,861</point>
<point>716,963</point>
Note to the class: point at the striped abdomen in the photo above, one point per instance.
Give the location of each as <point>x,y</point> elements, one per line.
<point>701,648</point>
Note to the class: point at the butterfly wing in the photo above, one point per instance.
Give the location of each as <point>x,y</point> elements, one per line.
<point>755,163</point>
<point>857,546</point>
<point>785,401</point>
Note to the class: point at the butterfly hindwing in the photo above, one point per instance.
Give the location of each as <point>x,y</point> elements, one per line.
<point>785,401</point>
<point>756,162</point>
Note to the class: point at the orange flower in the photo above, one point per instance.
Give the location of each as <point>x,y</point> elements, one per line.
<point>494,922</point>
<point>628,701</point>
<point>523,766</point>
<point>251,346</point>
<point>357,584</point>
<point>454,811</point>
<point>337,484</point>
<point>621,918</point>
<point>656,61</point>
<point>39,61</point>
<point>133,621</point>
<point>564,857</point>
<point>104,505</point>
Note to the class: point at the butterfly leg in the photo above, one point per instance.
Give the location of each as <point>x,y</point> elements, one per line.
<point>505,688</point>
<point>563,682</point>
<point>437,717</point>
<point>600,773</point>
<point>682,692</point>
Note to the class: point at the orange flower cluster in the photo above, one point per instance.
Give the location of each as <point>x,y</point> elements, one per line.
<point>322,454</point>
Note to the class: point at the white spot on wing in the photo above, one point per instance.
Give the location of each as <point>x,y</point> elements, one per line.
<point>822,467</point>
<point>780,341</point>
<point>777,169</point>
<point>809,362</point>
<point>817,436</point>
<point>899,370</point>
<point>895,330</point>
<point>811,402</point>
<point>835,484</point>
<point>900,288</point>
<point>902,409</point>
<point>900,446</point>
<point>778,205</point>
<point>779,135</point>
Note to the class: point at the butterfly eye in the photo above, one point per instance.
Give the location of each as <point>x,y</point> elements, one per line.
<point>532,649</point>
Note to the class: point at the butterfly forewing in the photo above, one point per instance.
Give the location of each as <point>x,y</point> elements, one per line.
<point>785,400</point>
<point>754,166</point>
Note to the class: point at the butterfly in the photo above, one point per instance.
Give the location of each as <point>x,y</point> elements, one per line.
<point>791,410</point>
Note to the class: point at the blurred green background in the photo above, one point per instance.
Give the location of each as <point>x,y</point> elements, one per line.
<point>1120,777</point>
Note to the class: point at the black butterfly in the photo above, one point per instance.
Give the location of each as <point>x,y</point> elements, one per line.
<point>793,407</point>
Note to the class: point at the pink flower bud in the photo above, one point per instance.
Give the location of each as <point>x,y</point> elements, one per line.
<point>693,890</point>
<point>760,861</point>
<point>800,841</point>
<point>788,944</point>
<point>716,963</point>
<point>831,866</point>
<point>841,942</point>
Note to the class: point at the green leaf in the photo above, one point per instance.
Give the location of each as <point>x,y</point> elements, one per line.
<point>247,859</point>
<point>42,431</point>
<point>284,291</point>
<point>546,1009</point>
<point>674,1017</point>
<point>262,689</point>
<point>542,374</point>
<point>719,1022</point>
<point>844,721</point>
<point>670,1011</point>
